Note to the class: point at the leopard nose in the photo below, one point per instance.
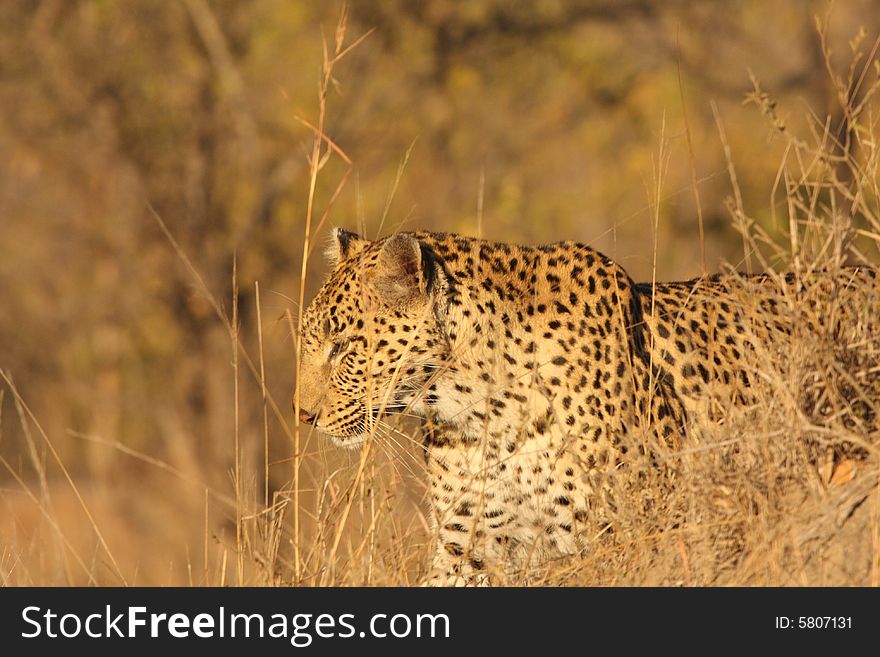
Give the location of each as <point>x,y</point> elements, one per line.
<point>307,418</point>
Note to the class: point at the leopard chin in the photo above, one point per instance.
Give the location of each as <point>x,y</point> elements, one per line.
<point>353,439</point>
<point>345,441</point>
<point>349,442</point>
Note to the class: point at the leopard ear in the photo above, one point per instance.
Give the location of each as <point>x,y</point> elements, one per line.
<point>405,272</point>
<point>343,243</point>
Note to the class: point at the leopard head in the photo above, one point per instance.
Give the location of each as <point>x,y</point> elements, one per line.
<point>372,338</point>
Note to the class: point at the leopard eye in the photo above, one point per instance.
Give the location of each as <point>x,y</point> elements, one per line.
<point>339,347</point>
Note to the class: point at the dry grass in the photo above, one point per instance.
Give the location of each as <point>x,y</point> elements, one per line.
<point>785,494</point>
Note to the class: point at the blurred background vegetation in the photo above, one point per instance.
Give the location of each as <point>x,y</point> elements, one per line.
<point>531,122</point>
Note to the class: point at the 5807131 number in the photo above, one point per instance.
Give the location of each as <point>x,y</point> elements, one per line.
<point>823,622</point>
<point>814,622</point>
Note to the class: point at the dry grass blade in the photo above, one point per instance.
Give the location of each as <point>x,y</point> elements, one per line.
<point>64,471</point>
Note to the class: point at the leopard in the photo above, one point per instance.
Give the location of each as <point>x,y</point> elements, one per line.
<point>548,379</point>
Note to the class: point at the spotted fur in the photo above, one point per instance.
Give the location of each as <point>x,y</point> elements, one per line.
<point>545,373</point>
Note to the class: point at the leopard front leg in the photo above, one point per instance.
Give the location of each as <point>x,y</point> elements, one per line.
<point>469,527</point>
<point>452,571</point>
